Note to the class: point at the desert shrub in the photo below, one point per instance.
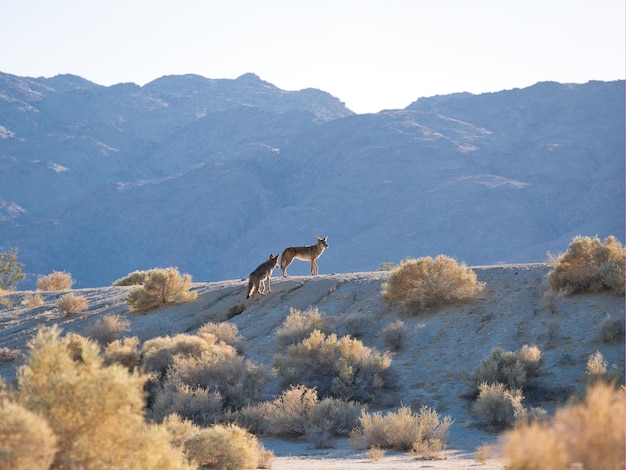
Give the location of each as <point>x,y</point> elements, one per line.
<point>426,282</point>
<point>339,367</point>
<point>33,300</point>
<point>227,447</point>
<point>224,332</point>
<point>237,380</point>
<point>589,265</point>
<point>597,371</point>
<point>298,412</point>
<point>394,335</point>
<point>107,328</point>
<point>70,304</point>
<point>588,434</point>
<point>161,287</point>
<point>57,280</point>
<point>195,404</point>
<point>299,324</point>
<point>96,412</point>
<point>424,433</point>
<point>124,352</point>
<point>135,278</point>
<point>612,330</point>
<point>8,354</point>
<point>510,368</point>
<point>158,353</point>
<point>26,439</point>
<point>498,405</point>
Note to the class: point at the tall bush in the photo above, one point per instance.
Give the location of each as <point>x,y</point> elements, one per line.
<point>589,265</point>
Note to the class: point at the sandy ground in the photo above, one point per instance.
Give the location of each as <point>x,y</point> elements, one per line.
<point>443,346</point>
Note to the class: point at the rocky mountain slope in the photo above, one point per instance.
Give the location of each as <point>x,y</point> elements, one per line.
<point>211,176</point>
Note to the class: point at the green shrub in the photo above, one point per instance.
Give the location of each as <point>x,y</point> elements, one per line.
<point>55,281</point>
<point>26,440</point>
<point>510,368</point>
<point>589,265</point>
<point>339,367</point>
<point>70,304</point>
<point>424,433</point>
<point>10,270</point>
<point>588,434</point>
<point>227,447</point>
<point>426,282</point>
<point>161,287</point>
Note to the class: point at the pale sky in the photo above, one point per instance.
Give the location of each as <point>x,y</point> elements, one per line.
<point>371,54</point>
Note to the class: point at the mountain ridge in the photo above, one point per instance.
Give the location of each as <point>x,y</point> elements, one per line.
<point>212,175</point>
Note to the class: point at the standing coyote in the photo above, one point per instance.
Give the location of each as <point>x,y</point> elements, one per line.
<point>310,253</point>
<point>262,273</point>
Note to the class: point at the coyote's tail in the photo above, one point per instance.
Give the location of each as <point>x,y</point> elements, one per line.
<point>250,287</point>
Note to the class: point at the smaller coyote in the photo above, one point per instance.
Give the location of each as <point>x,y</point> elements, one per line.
<point>262,273</point>
<point>304,253</point>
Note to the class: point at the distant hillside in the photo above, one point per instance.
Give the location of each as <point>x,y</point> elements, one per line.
<point>213,175</point>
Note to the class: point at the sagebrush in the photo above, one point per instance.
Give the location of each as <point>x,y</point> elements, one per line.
<point>161,287</point>
<point>339,367</point>
<point>423,433</point>
<point>57,280</point>
<point>589,265</point>
<point>419,284</point>
<point>588,434</point>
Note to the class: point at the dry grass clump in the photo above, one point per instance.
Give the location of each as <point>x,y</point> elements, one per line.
<point>95,411</point>
<point>107,328</point>
<point>340,367</point>
<point>298,412</point>
<point>70,304</point>
<point>419,284</point>
<point>26,439</point>
<point>33,300</point>
<point>589,265</point>
<point>423,433</point>
<point>161,287</point>
<point>299,324</point>
<point>588,434</point>
<point>8,354</point>
<point>57,280</point>
<point>510,368</point>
